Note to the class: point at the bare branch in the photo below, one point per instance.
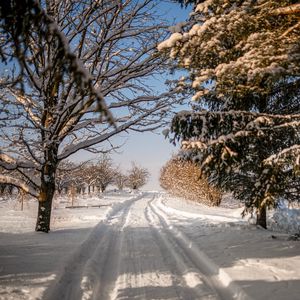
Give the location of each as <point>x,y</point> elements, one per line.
<point>18,183</point>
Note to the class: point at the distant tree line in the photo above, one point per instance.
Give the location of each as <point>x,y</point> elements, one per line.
<point>91,177</point>
<point>95,177</point>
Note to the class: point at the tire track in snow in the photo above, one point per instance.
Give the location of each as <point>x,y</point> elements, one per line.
<point>148,271</point>
<point>92,263</point>
<point>106,263</point>
<point>187,274</point>
<point>135,253</point>
<point>214,276</point>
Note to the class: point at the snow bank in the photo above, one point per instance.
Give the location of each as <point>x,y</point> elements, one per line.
<point>144,243</point>
<point>285,220</point>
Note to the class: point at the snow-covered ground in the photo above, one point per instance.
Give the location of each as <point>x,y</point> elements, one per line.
<point>143,246</point>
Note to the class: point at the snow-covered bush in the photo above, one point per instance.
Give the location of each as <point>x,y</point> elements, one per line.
<point>184,179</point>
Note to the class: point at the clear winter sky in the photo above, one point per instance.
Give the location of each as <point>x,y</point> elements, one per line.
<point>149,150</point>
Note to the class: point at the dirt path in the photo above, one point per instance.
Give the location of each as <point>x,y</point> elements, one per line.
<point>136,254</point>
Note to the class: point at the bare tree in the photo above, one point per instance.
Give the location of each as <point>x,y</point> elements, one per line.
<point>120,180</point>
<point>137,177</point>
<point>90,50</point>
<point>89,173</point>
<point>66,173</point>
<point>105,172</point>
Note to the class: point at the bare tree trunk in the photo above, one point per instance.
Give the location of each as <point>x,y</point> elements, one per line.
<point>262,217</point>
<point>47,190</point>
<point>45,208</point>
<point>2,188</point>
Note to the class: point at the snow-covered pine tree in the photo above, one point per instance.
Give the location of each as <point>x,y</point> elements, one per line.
<point>244,66</point>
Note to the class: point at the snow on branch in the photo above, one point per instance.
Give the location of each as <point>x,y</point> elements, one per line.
<point>292,152</point>
<point>288,10</point>
<point>73,148</point>
<point>10,163</point>
<point>206,129</point>
<point>247,152</point>
<point>6,179</point>
<point>80,72</point>
<point>238,47</point>
<point>27,103</point>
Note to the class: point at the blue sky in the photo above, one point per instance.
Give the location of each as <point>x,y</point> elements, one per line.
<point>149,150</point>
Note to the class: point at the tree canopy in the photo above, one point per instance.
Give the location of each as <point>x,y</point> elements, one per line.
<point>62,59</point>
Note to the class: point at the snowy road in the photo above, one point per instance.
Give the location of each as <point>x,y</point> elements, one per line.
<point>143,246</point>
<point>135,254</point>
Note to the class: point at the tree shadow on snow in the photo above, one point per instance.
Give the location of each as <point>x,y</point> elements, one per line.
<point>147,261</point>
<point>32,259</point>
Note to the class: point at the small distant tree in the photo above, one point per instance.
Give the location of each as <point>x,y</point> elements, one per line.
<point>105,172</point>
<point>137,177</point>
<point>120,180</point>
<point>184,179</point>
<point>79,184</point>
<point>89,172</point>
<point>65,175</point>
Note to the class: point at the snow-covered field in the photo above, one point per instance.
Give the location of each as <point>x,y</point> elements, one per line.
<point>143,246</point>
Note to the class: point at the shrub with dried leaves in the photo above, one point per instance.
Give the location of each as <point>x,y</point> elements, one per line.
<point>184,179</point>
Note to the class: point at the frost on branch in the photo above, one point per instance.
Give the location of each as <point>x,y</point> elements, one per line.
<point>7,179</point>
